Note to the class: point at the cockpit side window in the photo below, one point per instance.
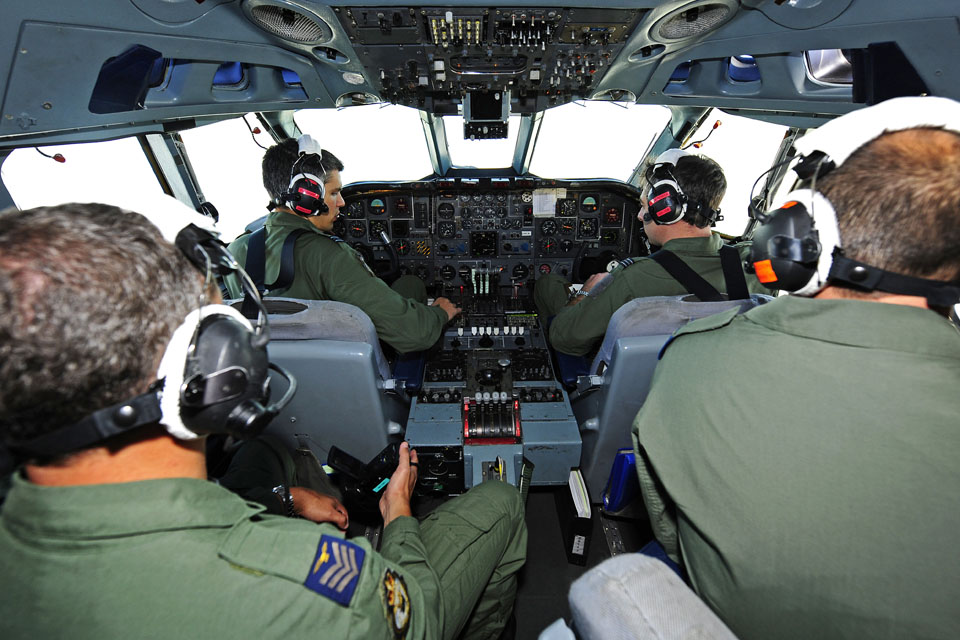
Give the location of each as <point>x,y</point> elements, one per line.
<point>86,172</point>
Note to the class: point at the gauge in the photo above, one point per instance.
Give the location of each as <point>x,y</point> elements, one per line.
<point>357,229</point>
<point>612,216</point>
<point>339,227</point>
<point>466,225</point>
<point>465,212</point>
<point>567,207</point>
<point>526,196</point>
<point>376,226</point>
<point>401,208</point>
<point>448,272</point>
<point>611,236</point>
<point>501,212</point>
<point>588,204</point>
<point>445,210</point>
<point>501,198</point>
<point>588,227</point>
<point>489,212</point>
<point>548,245</point>
<point>520,271</point>
<point>446,229</point>
<point>402,247</point>
<point>517,223</point>
<point>477,198</point>
<point>566,227</point>
<point>548,227</point>
<point>422,272</point>
<point>566,245</point>
<point>488,197</point>
<point>464,197</point>
<point>504,224</point>
<point>377,207</point>
<point>545,269</point>
<point>355,210</point>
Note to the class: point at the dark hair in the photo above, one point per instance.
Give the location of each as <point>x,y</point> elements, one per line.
<point>702,180</point>
<point>897,200</point>
<point>279,159</point>
<point>89,297</point>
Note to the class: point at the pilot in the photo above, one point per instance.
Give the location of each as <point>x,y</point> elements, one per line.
<point>125,536</point>
<point>800,460</point>
<point>687,190</point>
<point>324,266</point>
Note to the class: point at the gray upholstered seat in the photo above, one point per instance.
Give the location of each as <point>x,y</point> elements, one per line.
<point>608,400</point>
<point>636,597</point>
<point>346,396</point>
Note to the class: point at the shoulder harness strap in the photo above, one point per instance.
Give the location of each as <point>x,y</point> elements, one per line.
<point>682,273</point>
<point>733,273</point>
<point>256,265</point>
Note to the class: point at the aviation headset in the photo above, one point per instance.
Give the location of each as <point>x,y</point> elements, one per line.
<point>213,376</point>
<point>305,193</point>
<point>666,201</point>
<point>788,247</point>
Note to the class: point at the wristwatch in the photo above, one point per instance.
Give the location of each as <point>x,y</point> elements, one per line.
<point>283,492</point>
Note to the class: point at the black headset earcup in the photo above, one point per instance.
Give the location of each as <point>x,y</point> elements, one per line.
<point>226,380</point>
<point>305,195</point>
<point>786,248</point>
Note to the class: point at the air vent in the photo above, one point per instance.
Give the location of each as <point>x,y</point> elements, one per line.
<point>693,21</point>
<point>288,21</point>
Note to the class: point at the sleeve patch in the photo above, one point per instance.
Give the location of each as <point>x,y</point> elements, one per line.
<point>335,572</point>
<point>396,602</point>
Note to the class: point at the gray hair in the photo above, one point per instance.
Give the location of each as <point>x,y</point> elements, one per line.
<point>89,297</point>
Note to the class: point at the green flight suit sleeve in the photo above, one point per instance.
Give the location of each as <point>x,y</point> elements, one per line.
<point>404,324</point>
<point>238,249</point>
<point>575,330</point>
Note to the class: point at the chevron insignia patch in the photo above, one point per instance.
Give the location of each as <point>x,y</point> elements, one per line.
<point>335,571</point>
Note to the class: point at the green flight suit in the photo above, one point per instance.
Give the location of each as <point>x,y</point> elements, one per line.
<point>185,558</point>
<point>329,269</point>
<point>802,462</point>
<point>576,330</point>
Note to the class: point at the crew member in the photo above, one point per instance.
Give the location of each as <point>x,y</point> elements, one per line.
<point>800,460</point>
<point>684,194</point>
<point>304,184</point>
<point>110,379</point>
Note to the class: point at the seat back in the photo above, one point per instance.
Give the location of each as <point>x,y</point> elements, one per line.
<point>608,401</point>
<point>345,396</point>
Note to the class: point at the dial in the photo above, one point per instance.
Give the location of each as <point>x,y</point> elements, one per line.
<point>477,198</point>
<point>377,207</point>
<point>520,271</point>
<point>588,204</point>
<point>548,245</point>
<point>465,212</point>
<point>376,226</point>
<point>355,210</point>
<point>612,216</point>
<point>402,247</point>
<point>501,198</point>
<point>466,225</point>
<point>517,223</point>
<point>488,197</point>
<point>545,269</point>
<point>339,227</point>
<point>610,236</point>
<point>422,272</point>
<point>357,229</point>
<point>566,245</point>
<point>464,197</point>
<point>446,229</point>
<point>445,210</point>
<point>448,272</point>
<point>504,224</point>
<point>548,227</point>
<point>588,227</point>
<point>501,212</point>
<point>489,212</point>
<point>401,208</point>
<point>566,227</point>
<point>526,196</point>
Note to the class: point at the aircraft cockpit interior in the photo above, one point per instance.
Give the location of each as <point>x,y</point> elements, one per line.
<point>486,146</point>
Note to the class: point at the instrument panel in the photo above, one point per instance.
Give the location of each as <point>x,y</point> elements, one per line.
<point>445,231</point>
